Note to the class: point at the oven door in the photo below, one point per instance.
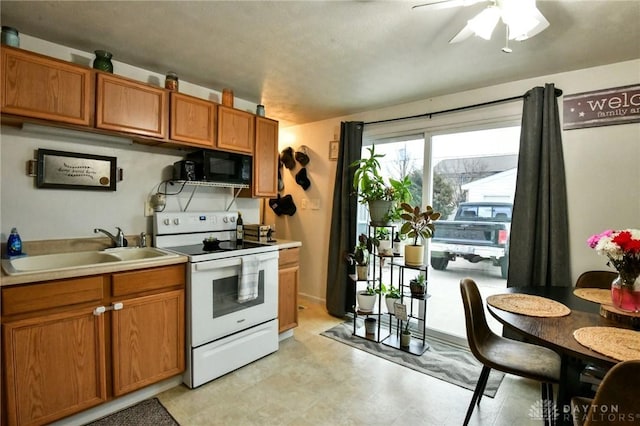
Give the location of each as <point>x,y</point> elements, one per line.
<point>215,311</point>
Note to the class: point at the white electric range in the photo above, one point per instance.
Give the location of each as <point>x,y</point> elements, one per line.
<point>231,295</point>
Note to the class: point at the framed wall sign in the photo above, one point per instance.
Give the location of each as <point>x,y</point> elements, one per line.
<point>334,149</point>
<point>71,170</point>
<point>618,105</point>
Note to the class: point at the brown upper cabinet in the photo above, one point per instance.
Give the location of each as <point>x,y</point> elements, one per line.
<point>193,120</point>
<point>235,130</point>
<point>265,159</point>
<point>45,88</point>
<point>125,105</point>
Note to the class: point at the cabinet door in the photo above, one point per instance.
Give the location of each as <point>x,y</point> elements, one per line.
<point>147,340</point>
<point>265,158</point>
<point>288,279</point>
<point>40,87</point>
<point>54,366</point>
<point>193,120</point>
<point>235,130</point>
<point>128,106</point>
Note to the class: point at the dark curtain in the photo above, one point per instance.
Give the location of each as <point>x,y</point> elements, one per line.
<point>539,242</point>
<point>340,297</point>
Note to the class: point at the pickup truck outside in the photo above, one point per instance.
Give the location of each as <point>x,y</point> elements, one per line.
<point>479,231</point>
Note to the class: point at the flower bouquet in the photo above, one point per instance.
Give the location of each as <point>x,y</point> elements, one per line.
<point>622,248</point>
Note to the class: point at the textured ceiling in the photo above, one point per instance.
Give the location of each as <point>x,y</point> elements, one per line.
<point>312,60</point>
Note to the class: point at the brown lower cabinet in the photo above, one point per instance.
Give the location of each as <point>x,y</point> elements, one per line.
<point>288,279</point>
<point>61,359</point>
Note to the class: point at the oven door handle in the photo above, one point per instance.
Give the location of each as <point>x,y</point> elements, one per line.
<point>217,264</point>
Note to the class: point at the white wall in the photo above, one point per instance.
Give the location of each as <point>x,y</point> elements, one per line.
<point>603,176</point>
<point>41,214</point>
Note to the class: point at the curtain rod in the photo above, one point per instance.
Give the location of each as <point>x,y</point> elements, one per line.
<point>557,92</point>
<point>463,108</point>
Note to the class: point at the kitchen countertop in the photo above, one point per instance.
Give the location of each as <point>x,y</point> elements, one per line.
<point>40,247</point>
<point>45,247</point>
<point>285,244</point>
<point>103,268</point>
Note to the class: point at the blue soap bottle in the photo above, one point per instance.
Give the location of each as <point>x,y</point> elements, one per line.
<point>14,243</point>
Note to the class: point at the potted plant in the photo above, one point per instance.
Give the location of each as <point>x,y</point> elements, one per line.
<point>418,224</point>
<point>405,336</point>
<point>383,240</point>
<point>418,286</point>
<point>367,299</point>
<point>372,188</point>
<point>360,256</point>
<point>392,296</point>
<point>400,193</point>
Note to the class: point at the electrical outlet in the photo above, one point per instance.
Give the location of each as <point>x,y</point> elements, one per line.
<point>305,203</point>
<point>315,204</point>
<point>148,210</point>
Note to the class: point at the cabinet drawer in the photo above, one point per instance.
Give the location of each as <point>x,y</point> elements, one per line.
<point>126,283</point>
<point>289,256</point>
<point>52,294</point>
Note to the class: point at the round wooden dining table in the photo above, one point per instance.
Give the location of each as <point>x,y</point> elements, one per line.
<point>557,333</point>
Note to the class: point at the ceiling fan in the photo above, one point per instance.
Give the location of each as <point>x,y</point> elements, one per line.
<point>521,17</point>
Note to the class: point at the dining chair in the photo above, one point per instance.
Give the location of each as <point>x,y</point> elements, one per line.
<point>617,396</point>
<point>595,279</point>
<point>506,355</point>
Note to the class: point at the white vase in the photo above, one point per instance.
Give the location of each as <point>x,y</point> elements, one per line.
<point>366,302</point>
<point>383,245</point>
<point>390,302</point>
<point>413,255</point>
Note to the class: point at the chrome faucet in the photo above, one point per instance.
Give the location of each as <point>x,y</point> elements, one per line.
<point>118,239</point>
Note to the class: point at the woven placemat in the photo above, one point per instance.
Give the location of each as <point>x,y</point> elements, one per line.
<point>597,295</point>
<point>617,343</point>
<point>527,304</point>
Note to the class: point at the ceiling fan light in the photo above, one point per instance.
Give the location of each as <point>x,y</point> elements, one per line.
<point>484,23</point>
<point>541,25</point>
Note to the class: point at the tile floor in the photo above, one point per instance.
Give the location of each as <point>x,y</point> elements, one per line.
<point>313,380</point>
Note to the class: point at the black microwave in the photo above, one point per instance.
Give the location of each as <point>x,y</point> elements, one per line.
<point>220,166</point>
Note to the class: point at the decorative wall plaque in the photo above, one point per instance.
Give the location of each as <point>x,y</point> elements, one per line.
<point>606,107</point>
<point>71,170</point>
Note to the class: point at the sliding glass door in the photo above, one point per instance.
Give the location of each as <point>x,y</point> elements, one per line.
<point>446,170</point>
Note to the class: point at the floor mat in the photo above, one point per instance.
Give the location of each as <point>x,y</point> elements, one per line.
<point>148,412</point>
<point>442,360</point>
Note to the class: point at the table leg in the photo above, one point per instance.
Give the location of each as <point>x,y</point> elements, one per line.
<point>568,387</point>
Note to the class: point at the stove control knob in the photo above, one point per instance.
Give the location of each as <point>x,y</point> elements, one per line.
<point>232,219</point>
<point>176,221</point>
<point>225,219</point>
<point>167,222</point>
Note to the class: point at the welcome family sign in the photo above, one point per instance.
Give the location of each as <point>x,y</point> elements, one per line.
<point>619,105</point>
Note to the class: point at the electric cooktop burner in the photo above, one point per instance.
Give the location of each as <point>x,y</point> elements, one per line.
<point>198,249</point>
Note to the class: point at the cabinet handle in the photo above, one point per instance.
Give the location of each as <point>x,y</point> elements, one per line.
<point>114,307</point>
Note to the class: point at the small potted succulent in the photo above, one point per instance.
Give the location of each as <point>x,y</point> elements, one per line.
<point>405,336</point>
<point>418,286</point>
<point>360,256</point>
<point>392,296</point>
<point>418,224</point>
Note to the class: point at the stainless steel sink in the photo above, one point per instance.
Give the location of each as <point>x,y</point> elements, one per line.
<point>83,259</point>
